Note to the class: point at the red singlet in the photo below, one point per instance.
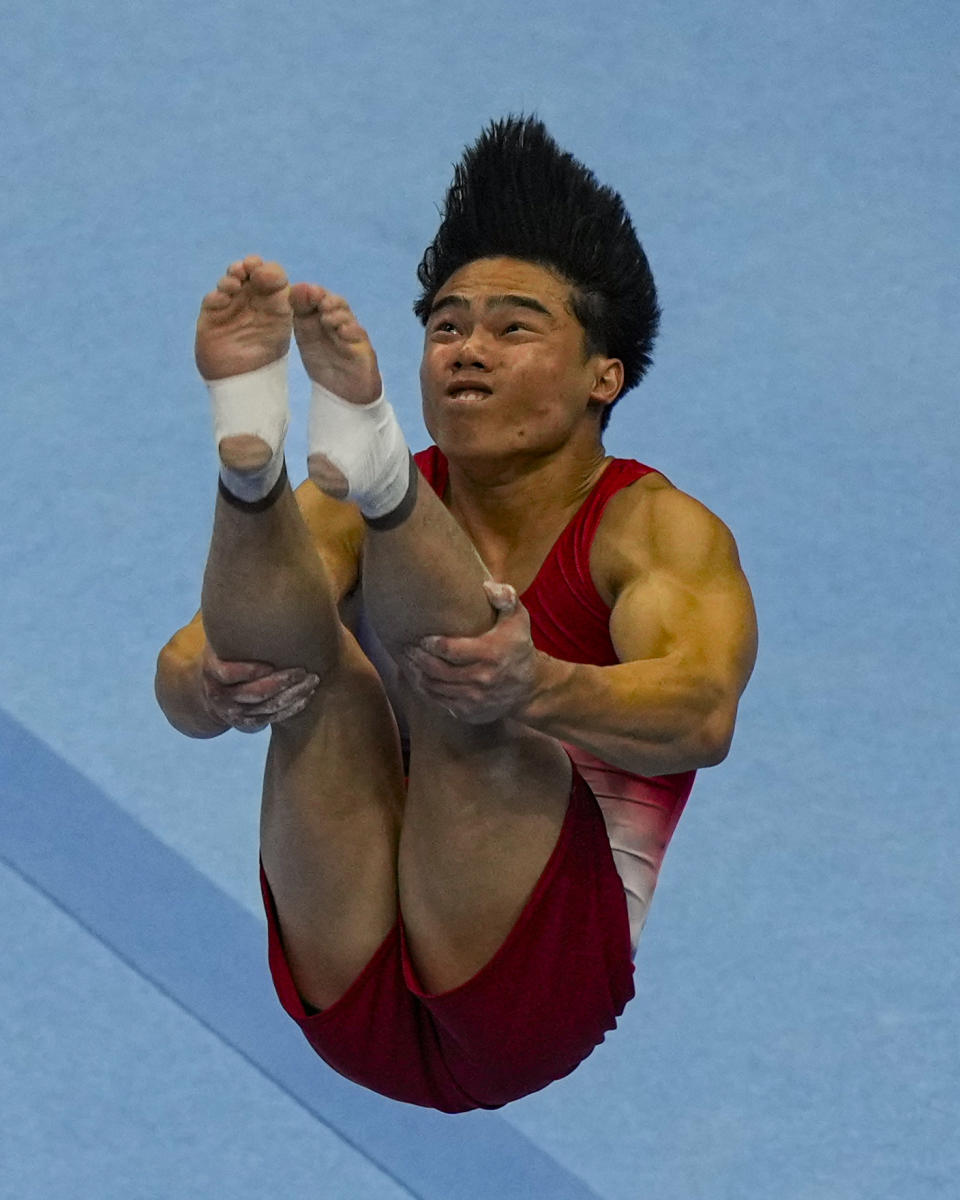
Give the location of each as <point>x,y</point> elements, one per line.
<point>564,974</point>
<point>570,621</point>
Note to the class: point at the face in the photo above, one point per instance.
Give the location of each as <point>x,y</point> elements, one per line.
<point>503,370</point>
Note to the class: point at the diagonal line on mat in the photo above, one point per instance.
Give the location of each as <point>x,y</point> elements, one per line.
<point>155,912</point>
<point>158,986</point>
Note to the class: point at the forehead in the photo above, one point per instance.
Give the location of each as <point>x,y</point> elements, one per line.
<point>508,276</point>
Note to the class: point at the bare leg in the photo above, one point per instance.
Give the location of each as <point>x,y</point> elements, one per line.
<point>333,787</point>
<point>485,804</point>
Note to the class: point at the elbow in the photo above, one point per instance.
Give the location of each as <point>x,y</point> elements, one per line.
<point>713,754</point>
<point>164,689</point>
<point>163,675</point>
<point>159,675</point>
<point>716,738</point>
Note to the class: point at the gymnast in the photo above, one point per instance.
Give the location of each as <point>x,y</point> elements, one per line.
<point>490,670</point>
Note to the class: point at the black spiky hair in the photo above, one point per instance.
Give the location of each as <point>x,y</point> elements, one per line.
<point>516,194</point>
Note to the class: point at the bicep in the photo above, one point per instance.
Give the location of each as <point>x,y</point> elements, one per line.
<point>690,601</point>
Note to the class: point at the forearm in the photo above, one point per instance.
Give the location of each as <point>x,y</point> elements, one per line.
<point>180,695</point>
<point>649,717</point>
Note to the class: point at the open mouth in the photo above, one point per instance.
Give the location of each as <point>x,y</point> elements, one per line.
<point>468,391</point>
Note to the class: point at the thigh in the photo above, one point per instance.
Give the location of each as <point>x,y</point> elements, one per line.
<point>485,806</point>
<point>547,997</point>
<point>559,981</point>
<point>333,797</point>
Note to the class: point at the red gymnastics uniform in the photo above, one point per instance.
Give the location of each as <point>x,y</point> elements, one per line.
<point>565,973</point>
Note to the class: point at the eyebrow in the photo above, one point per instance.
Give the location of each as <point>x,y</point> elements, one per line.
<point>507,300</point>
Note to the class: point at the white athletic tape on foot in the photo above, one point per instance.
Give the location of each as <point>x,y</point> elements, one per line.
<point>255,403</point>
<point>366,444</point>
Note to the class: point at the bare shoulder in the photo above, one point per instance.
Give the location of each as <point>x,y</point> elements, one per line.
<point>337,531</point>
<point>670,569</point>
<point>653,525</point>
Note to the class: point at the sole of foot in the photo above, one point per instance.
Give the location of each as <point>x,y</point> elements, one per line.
<point>336,351</point>
<point>245,323</point>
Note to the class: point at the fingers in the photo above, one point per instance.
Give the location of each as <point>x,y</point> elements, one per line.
<point>276,702</point>
<point>263,690</point>
<point>443,668</point>
<point>250,718</point>
<point>459,652</point>
<point>464,651</point>
<point>249,696</point>
<point>230,673</point>
<point>502,596</point>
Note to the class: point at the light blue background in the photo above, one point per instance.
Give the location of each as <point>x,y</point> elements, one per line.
<point>793,173</point>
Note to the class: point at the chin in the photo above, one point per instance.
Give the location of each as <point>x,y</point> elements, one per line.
<point>463,444</point>
<point>458,435</point>
<point>475,436</point>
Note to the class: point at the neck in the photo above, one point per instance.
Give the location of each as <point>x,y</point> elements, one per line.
<point>510,500</point>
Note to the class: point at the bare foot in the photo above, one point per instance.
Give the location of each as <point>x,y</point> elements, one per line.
<point>336,351</point>
<point>245,322</point>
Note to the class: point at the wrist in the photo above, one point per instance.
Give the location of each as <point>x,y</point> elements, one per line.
<point>552,678</point>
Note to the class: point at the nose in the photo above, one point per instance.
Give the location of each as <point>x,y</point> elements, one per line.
<point>472,352</point>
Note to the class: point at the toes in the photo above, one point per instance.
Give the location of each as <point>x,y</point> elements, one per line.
<point>324,315</point>
<point>344,324</point>
<point>265,277</point>
<point>333,312</point>
<point>310,297</point>
<point>216,299</point>
<point>243,268</point>
<point>222,296</point>
<point>333,316</point>
<point>350,330</point>
<point>268,277</point>
<point>305,298</point>
<point>355,332</point>
<point>337,315</point>
<point>332,303</point>
<point>228,286</point>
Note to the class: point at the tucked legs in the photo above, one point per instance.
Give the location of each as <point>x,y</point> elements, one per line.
<point>340,841</point>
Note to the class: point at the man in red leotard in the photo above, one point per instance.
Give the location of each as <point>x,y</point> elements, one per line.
<point>490,676</point>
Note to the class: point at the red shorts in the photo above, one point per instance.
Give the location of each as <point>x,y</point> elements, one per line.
<point>530,1016</point>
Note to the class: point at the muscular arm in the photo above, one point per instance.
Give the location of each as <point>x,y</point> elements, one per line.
<point>337,532</point>
<point>684,627</point>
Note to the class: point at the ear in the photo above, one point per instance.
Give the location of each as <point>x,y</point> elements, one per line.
<point>608,380</point>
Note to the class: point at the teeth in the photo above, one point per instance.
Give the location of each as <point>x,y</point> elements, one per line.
<point>469,394</point>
